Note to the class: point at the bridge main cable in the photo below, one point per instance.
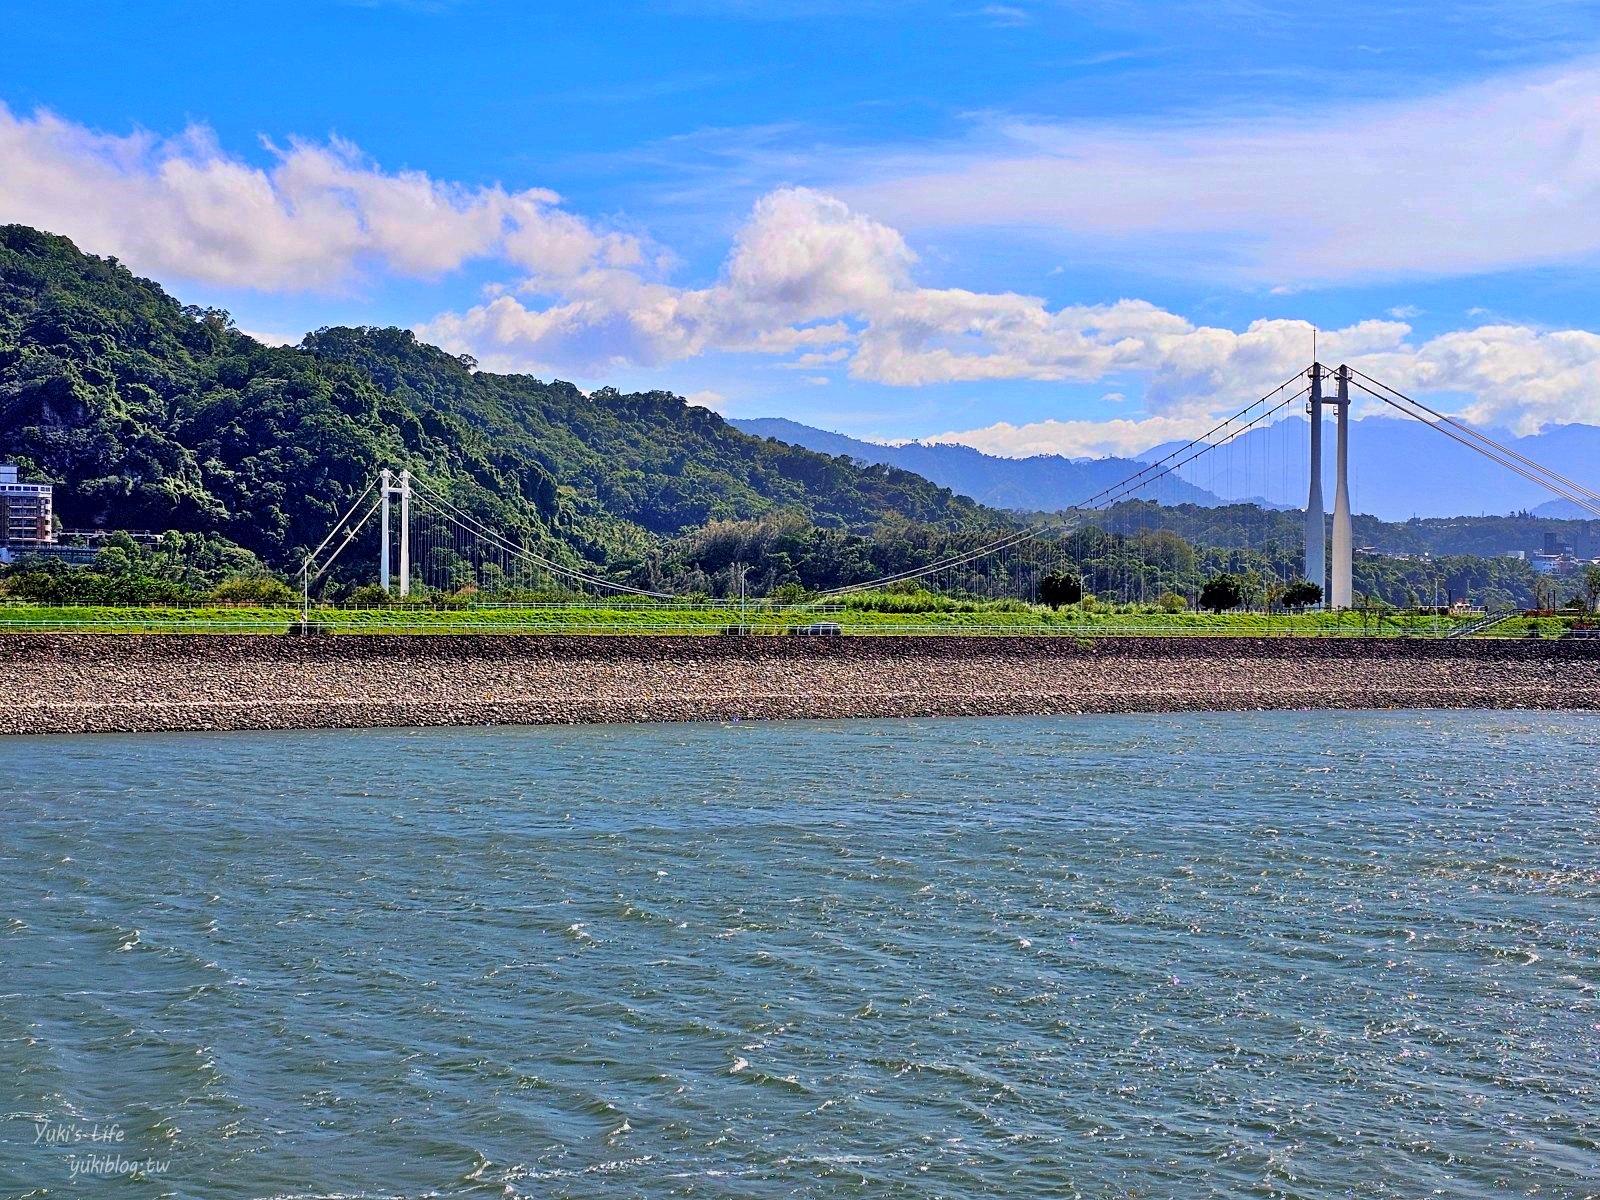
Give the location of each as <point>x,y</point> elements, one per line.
<point>1520,464</point>
<point>1117,492</point>
<point>471,525</point>
<point>1478,435</point>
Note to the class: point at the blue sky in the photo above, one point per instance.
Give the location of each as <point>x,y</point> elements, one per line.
<point>1082,227</point>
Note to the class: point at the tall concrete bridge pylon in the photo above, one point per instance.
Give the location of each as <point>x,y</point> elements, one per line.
<point>1342,595</point>
<point>1339,592</point>
<point>1316,520</point>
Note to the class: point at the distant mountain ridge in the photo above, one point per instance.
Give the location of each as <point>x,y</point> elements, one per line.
<point>1045,482</point>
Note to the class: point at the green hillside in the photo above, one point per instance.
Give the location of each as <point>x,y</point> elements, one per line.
<point>150,414</point>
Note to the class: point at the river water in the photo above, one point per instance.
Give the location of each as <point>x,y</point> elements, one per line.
<point>1263,954</point>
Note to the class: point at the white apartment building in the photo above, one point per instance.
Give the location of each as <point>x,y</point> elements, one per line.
<point>25,511</point>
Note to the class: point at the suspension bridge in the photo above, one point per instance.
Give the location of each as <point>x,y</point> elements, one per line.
<point>1111,543</point>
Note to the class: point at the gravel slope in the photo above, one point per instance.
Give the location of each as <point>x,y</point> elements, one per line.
<point>79,683</point>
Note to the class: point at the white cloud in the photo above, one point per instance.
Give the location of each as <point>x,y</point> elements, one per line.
<point>817,283</point>
<point>1005,16</point>
<point>801,259</point>
<point>810,280</point>
<point>270,338</point>
<point>715,401</point>
<point>1498,175</point>
<point>1077,439</point>
<point>1510,376</point>
<point>314,220</point>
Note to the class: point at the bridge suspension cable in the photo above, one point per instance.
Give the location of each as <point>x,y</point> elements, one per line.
<point>475,528</point>
<point>1479,435</point>
<point>1492,449</point>
<point>307,579</point>
<point>459,548</point>
<point>1103,499</point>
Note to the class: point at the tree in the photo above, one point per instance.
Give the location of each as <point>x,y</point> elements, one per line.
<point>1171,602</point>
<point>1221,592</point>
<point>255,591</point>
<point>1302,593</point>
<point>1591,585</point>
<point>370,596</point>
<point>1058,588</point>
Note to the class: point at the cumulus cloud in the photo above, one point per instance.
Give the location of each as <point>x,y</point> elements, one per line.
<point>269,337</point>
<point>715,401</point>
<point>812,281</point>
<point>313,220</point>
<point>1076,439</point>
<point>1502,376</point>
<point>800,263</point>
<point>1493,176</point>
<point>1508,375</point>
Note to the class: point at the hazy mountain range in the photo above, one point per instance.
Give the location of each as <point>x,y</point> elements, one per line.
<point>1398,469</point>
<point>1044,482</point>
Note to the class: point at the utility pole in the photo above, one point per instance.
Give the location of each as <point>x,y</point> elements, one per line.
<point>1343,535</point>
<point>1316,530</point>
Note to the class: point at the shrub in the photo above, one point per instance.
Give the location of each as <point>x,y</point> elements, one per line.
<point>920,600</point>
<point>1171,602</point>
<point>258,591</point>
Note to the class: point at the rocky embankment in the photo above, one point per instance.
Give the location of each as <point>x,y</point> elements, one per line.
<point>80,683</point>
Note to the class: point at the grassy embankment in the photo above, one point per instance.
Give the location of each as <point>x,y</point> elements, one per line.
<point>858,615</point>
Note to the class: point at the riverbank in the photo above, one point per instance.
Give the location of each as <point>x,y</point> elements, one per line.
<point>887,615</point>
<point>85,683</point>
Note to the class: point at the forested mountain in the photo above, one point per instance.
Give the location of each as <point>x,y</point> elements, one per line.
<point>1044,482</point>
<point>150,414</point>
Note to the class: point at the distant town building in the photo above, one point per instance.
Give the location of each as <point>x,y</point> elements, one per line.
<point>1556,558</point>
<point>1557,546</point>
<point>26,513</point>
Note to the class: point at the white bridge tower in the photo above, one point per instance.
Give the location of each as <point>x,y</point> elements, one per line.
<point>1343,550</point>
<point>387,488</point>
<point>1340,594</point>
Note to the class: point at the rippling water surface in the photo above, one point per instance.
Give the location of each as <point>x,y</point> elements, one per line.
<point>1299,955</point>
